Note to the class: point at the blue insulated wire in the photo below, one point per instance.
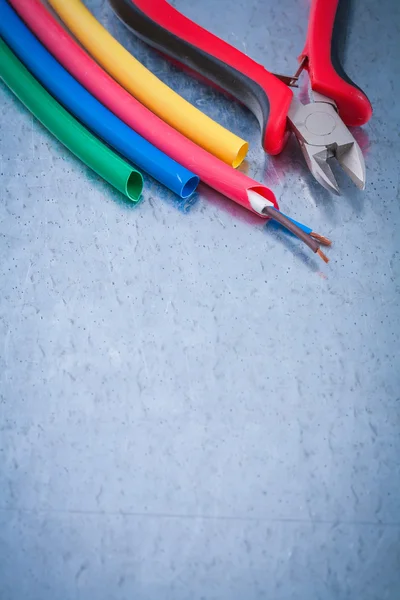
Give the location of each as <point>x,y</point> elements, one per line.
<point>78,101</point>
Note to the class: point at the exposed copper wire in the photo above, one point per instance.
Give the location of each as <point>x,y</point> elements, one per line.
<point>324,241</point>
<point>293,228</point>
<point>322,255</point>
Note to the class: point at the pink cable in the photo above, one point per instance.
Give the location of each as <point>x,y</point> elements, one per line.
<point>211,170</point>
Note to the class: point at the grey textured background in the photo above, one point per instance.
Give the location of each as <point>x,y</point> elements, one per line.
<point>192,406</point>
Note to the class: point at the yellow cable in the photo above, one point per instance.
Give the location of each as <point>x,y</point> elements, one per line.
<point>146,87</point>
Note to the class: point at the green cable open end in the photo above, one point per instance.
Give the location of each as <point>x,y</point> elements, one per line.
<point>134,186</point>
<point>79,140</point>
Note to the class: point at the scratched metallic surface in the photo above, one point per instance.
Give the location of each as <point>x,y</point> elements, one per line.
<point>192,406</point>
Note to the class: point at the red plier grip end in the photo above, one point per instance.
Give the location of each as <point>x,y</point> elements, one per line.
<point>326,37</point>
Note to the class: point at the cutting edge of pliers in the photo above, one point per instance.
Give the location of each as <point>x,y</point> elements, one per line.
<point>322,136</point>
<point>338,100</point>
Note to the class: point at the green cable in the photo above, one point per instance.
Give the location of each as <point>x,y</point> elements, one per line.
<point>65,128</point>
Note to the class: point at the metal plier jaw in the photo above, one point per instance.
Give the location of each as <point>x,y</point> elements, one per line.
<point>318,126</point>
<point>322,135</point>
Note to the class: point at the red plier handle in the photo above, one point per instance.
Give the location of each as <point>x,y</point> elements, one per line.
<point>326,39</point>
<point>166,29</point>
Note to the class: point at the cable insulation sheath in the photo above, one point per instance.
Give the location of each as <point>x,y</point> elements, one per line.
<point>89,111</point>
<point>66,129</point>
<point>214,172</point>
<point>146,87</point>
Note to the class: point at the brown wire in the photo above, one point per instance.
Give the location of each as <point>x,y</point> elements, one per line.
<point>302,235</point>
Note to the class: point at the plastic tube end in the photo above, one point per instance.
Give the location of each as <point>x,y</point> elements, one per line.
<point>241,155</point>
<point>190,187</point>
<point>259,200</point>
<point>134,186</point>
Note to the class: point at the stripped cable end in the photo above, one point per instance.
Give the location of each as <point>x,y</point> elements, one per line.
<point>324,241</point>
<point>322,255</point>
<point>313,240</point>
<point>299,230</point>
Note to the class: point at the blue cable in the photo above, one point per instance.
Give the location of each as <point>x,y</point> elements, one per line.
<point>78,101</point>
<point>300,225</point>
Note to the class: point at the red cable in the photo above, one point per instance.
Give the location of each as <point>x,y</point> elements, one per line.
<point>211,170</point>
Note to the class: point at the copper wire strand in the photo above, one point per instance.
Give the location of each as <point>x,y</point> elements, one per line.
<point>302,235</point>
<point>324,241</point>
<point>322,255</point>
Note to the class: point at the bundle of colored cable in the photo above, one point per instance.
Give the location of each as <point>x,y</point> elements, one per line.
<point>66,129</point>
<point>231,183</point>
<point>78,101</point>
<point>147,88</point>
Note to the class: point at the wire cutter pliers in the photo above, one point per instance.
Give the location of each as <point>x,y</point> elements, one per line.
<point>320,126</point>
